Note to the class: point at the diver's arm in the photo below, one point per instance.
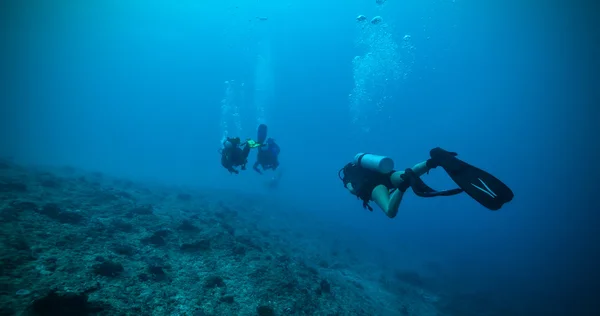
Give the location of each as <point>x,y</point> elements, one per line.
<point>389,204</point>
<point>246,152</point>
<point>350,188</point>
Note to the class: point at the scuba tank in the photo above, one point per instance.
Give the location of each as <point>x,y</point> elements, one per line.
<point>355,169</point>
<point>231,142</point>
<point>227,144</point>
<point>381,164</point>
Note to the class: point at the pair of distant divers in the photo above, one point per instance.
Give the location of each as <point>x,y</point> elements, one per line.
<point>373,178</point>
<point>235,153</point>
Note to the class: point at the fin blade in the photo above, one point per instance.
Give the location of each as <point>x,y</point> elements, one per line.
<point>261,134</point>
<point>480,185</point>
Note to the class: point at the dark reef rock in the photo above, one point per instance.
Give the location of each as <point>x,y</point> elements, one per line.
<point>125,195</point>
<point>265,311</point>
<point>214,281</point>
<point>324,287</point>
<point>125,250</point>
<point>410,277</point>
<point>239,250</point>
<point>184,197</point>
<point>143,210</point>
<point>69,304</point>
<point>67,217</point>
<point>155,240</point>
<point>8,215</point>
<point>187,226</point>
<point>13,187</point>
<point>50,183</point>
<point>229,299</point>
<point>156,270</point>
<point>162,233</point>
<point>24,206</point>
<point>121,225</point>
<point>200,245</point>
<point>51,210</point>
<point>54,211</point>
<point>108,269</point>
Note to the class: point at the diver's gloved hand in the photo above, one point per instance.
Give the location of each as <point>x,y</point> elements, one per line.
<point>438,155</point>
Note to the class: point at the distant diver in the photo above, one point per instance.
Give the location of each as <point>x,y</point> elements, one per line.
<point>372,178</point>
<point>267,156</point>
<point>234,154</point>
<point>268,151</point>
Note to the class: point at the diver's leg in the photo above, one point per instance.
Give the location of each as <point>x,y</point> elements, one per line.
<point>419,169</point>
<point>389,204</point>
<point>255,167</point>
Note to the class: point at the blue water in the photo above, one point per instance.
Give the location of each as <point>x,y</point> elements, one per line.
<point>136,89</point>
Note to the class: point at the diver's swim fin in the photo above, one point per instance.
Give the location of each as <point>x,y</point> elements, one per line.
<point>480,185</point>
<point>261,134</point>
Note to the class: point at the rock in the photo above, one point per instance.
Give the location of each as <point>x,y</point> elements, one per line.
<point>265,311</point>
<point>214,281</point>
<point>108,269</point>
<point>69,304</point>
<point>201,245</point>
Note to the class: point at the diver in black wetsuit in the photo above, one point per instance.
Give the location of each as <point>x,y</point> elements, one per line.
<point>267,156</point>
<point>372,178</point>
<point>234,154</point>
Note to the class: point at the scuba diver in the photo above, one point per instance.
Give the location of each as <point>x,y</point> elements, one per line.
<point>372,178</point>
<point>234,153</point>
<point>267,156</point>
<point>268,151</point>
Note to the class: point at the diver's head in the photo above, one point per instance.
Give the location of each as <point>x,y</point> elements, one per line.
<point>227,144</point>
<point>267,145</point>
<point>231,142</point>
